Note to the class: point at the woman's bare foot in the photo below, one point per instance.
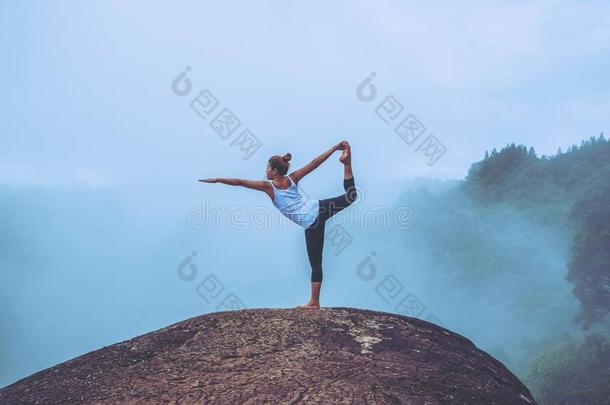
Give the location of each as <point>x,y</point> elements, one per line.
<point>310,305</point>
<point>346,156</point>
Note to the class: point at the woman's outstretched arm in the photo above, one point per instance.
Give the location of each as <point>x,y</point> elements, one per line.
<point>261,185</point>
<point>229,181</point>
<point>317,161</point>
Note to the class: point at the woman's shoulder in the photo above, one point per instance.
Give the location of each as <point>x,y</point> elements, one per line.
<point>269,189</point>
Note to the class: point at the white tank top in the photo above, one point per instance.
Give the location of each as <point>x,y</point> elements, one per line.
<point>294,206</point>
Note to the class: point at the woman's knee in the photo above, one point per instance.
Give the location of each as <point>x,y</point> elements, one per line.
<point>351,195</point>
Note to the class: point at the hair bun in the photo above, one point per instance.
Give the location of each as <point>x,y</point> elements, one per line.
<point>287,157</point>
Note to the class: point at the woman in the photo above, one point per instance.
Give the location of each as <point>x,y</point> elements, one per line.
<point>311,214</point>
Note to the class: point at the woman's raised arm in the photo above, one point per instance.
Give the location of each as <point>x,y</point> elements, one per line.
<point>317,161</point>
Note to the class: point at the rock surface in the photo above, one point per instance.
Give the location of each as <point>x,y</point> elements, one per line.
<point>331,355</point>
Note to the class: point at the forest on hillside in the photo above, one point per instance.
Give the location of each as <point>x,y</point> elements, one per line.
<point>512,234</point>
<point>575,183</point>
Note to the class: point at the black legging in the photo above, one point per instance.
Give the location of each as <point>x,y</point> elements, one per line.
<point>314,235</point>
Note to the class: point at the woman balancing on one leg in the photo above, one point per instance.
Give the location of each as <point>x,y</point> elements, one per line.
<point>310,214</point>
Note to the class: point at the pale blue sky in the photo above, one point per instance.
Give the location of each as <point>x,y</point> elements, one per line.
<point>87,97</point>
<point>104,157</point>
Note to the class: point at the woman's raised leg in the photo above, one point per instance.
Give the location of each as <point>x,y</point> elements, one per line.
<point>331,206</point>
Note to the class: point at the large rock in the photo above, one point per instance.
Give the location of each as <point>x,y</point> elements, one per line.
<point>332,355</point>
